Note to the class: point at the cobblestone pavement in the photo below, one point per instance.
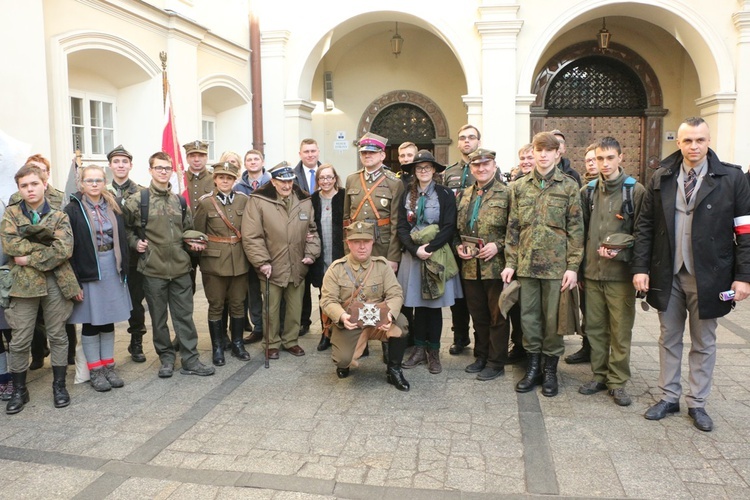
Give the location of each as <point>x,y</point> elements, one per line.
<point>296,431</point>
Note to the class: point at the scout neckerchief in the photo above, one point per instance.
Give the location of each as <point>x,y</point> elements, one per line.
<point>224,218</point>
<point>420,208</point>
<point>464,175</point>
<point>368,195</point>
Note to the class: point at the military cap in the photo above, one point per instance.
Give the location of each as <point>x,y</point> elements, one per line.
<point>119,151</point>
<point>226,168</point>
<point>193,236</point>
<point>481,155</point>
<point>618,241</point>
<point>282,172</point>
<point>509,297</point>
<point>557,132</point>
<point>421,157</point>
<point>360,231</point>
<point>196,147</point>
<point>372,142</point>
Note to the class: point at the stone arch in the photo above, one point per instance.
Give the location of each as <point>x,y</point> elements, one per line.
<point>421,101</point>
<point>653,114</point>
<point>228,82</point>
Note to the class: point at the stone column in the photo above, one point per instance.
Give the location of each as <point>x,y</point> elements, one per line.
<point>297,125</point>
<point>273,47</point>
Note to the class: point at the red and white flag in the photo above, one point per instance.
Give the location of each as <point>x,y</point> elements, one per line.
<point>171,146</point>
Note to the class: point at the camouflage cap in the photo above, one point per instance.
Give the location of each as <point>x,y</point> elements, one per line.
<point>226,168</point>
<point>119,151</point>
<point>360,231</point>
<point>481,155</point>
<point>196,147</point>
<point>618,241</point>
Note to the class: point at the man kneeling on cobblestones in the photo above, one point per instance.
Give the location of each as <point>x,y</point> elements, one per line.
<point>364,280</point>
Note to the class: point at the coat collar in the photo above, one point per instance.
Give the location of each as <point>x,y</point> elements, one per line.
<point>268,191</point>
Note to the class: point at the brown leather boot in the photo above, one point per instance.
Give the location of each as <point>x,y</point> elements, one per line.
<point>418,357</point>
<point>433,361</point>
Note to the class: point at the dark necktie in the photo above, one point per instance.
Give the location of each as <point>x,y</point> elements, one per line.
<point>690,184</point>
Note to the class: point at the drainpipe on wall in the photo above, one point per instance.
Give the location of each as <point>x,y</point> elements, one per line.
<point>255,84</point>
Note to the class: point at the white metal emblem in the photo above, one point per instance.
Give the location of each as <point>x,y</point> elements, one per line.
<point>384,202</point>
<point>369,314</point>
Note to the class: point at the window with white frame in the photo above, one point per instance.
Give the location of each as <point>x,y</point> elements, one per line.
<point>92,123</point>
<point>209,136</point>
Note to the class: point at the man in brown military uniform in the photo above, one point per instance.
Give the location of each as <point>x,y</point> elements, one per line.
<point>224,266</point>
<point>373,195</point>
<point>198,182</point>
<point>377,283</point>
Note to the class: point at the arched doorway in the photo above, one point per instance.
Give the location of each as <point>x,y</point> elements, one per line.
<point>402,116</point>
<point>587,95</point>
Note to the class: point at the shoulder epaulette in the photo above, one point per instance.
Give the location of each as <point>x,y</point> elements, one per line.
<point>389,174</point>
<point>379,259</point>
<point>207,195</point>
<point>240,193</point>
<point>731,165</point>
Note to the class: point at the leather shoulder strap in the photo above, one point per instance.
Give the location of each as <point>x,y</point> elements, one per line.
<point>224,217</point>
<point>368,196</point>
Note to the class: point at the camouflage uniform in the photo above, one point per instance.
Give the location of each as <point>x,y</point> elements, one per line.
<point>481,280</point>
<point>47,280</point>
<point>458,177</point>
<point>55,197</point>
<point>137,321</point>
<point>386,197</point>
<point>544,240</point>
<point>165,266</point>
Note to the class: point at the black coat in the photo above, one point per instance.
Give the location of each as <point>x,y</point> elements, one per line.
<point>84,260</point>
<point>447,222</point>
<point>337,233</point>
<point>723,195</point>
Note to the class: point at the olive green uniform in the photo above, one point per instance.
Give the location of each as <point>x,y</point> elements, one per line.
<point>544,240</point>
<point>198,185</point>
<point>610,297</point>
<point>386,197</point>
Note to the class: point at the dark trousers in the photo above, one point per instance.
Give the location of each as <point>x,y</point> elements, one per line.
<point>306,303</point>
<point>255,301</point>
<point>427,326</point>
<point>460,314</point>
<point>137,320</point>
<point>491,331</point>
<point>172,298</point>
<point>516,334</point>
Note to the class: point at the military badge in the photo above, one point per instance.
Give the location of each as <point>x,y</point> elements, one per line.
<point>369,314</point>
<point>384,202</point>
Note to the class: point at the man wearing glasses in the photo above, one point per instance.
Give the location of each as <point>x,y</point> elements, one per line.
<point>458,177</point>
<point>165,265</point>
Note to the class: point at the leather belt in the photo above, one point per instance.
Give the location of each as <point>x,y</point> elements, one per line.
<point>223,239</point>
<point>378,222</point>
<point>105,248</point>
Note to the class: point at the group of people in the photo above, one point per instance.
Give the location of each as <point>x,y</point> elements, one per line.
<point>387,251</point>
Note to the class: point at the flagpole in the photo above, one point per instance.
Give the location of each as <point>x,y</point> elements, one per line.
<point>164,81</point>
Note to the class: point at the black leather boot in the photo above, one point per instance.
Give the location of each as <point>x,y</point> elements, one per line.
<point>136,348</point>
<point>395,377</point>
<point>217,341</point>
<point>70,331</point>
<point>581,356</point>
<point>325,343</point>
<point>533,375</point>
<point>238,346</point>
<point>385,350</point>
<point>225,329</point>
<point>549,385</point>
<point>60,394</point>
<point>20,394</point>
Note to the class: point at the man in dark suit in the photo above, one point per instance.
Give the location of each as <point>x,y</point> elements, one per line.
<point>685,255</point>
<point>304,177</point>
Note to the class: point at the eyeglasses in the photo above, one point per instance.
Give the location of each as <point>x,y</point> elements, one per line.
<point>93,181</point>
<point>423,169</point>
<point>162,169</point>
<point>591,160</point>
<point>326,178</point>
<point>467,137</point>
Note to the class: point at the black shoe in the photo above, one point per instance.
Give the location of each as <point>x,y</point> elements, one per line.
<point>342,372</point>
<point>582,356</point>
<point>549,376</point>
<point>516,355</point>
<point>253,338</point>
<point>661,409</point>
<point>396,378</point>
<point>60,395</point>
<point>477,366</point>
<point>36,363</point>
<point>591,387</point>
<point>394,375</point>
<point>166,370</point>
<point>701,420</point>
<point>325,343</point>
<point>197,368</point>
<point>136,348</point>
<point>490,373</point>
<point>533,375</point>
<point>20,394</point>
<point>217,342</point>
<point>303,330</point>
<point>458,347</point>
<point>238,346</point>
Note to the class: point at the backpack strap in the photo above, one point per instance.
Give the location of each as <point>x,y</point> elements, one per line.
<point>590,187</point>
<point>145,193</point>
<point>627,196</point>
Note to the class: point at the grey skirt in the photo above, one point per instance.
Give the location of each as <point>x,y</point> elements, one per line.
<point>410,279</point>
<point>104,301</point>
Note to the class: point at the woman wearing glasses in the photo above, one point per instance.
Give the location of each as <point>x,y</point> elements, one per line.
<point>428,273</point>
<point>100,261</point>
<point>328,203</point>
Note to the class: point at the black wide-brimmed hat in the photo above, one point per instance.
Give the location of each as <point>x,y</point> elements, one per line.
<point>422,156</point>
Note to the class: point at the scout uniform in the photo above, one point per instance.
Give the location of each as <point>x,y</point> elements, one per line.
<point>224,266</point>
<point>374,197</point>
<point>483,213</point>
<point>378,283</point>
<point>544,240</point>
<point>48,281</point>
<point>137,321</point>
<point>197,185</point>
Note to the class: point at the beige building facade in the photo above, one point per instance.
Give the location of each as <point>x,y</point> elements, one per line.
<point>88,74</point>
